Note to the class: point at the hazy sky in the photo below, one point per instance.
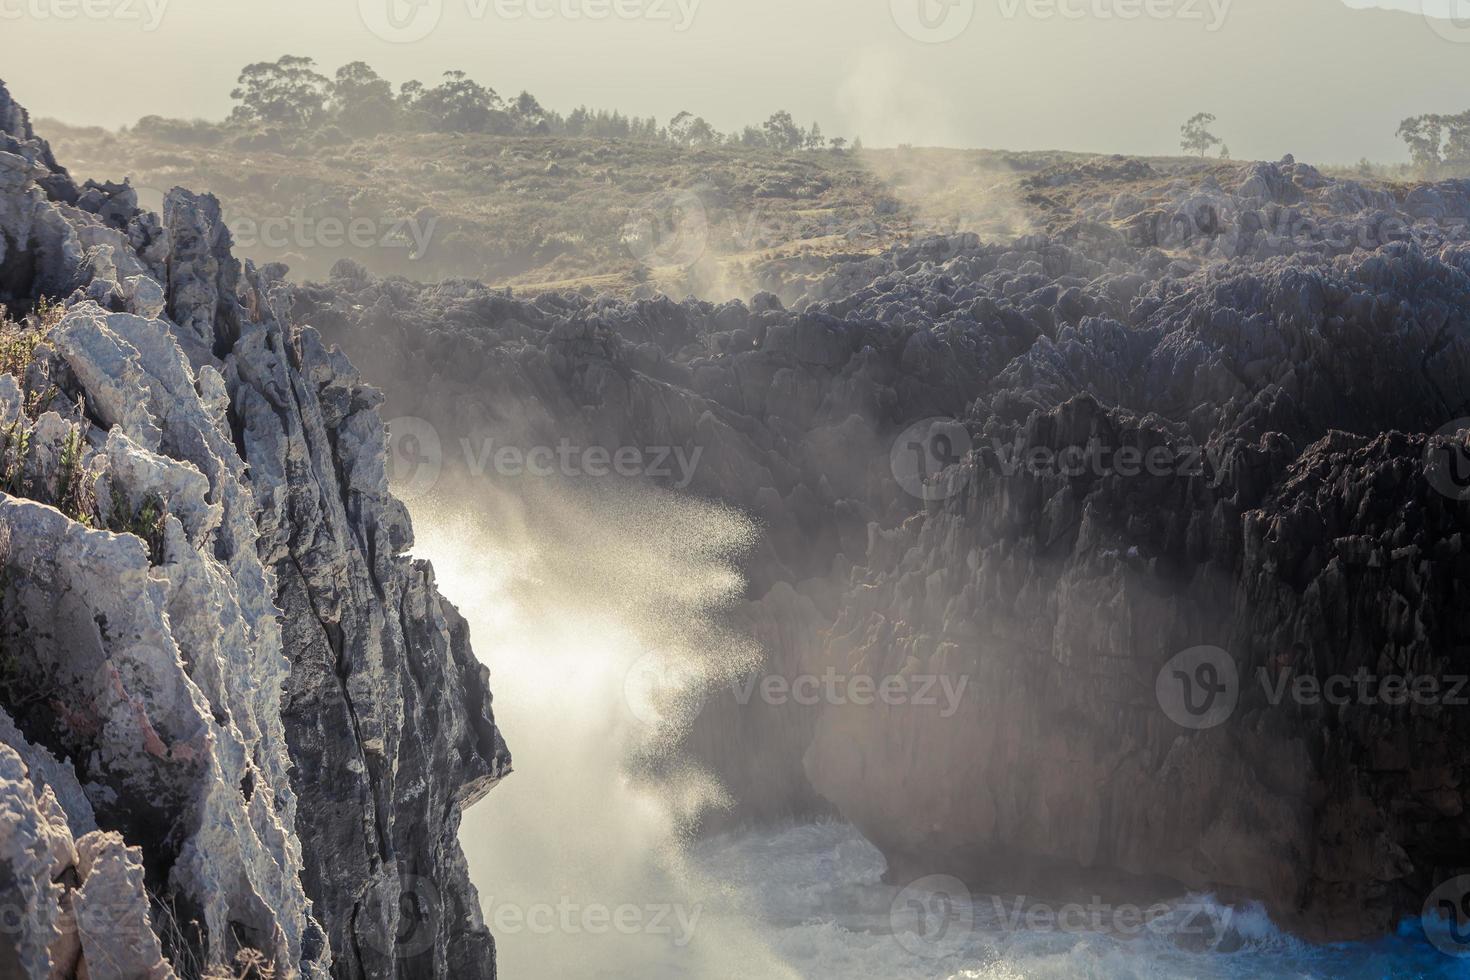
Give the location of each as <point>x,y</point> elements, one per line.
<point>1312,77</point>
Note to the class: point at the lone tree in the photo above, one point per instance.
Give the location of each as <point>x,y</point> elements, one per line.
<point>1195,135</point>
<point>687,129</point>
<point>529,114</point>
<point>782,133</point>
<point>288,92</point>
<point>459,104</point>
<point>1424,136</point>
<point>363,100</point>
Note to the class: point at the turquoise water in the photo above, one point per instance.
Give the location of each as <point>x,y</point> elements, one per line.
<point>584,873</point>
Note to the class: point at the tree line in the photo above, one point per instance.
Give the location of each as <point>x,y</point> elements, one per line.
<point>291,94</point>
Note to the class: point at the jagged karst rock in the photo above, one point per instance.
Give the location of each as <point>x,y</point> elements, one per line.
<point>237,719</point>
<point>1283,348</point>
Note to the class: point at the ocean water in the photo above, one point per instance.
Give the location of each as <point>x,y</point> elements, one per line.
<point>584,871</point>
<point>818,896</point>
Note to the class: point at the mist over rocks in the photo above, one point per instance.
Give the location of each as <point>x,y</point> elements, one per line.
<point>1278,345</point>
<point>237,724</point>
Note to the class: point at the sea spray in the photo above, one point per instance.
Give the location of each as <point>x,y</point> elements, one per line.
<point>600,616</point>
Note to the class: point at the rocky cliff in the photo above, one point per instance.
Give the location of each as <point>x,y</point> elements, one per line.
<point>238,725</point>
<point>1198,420</point>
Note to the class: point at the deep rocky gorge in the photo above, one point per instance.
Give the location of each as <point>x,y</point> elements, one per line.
<point>1283,346</point>
<point>238,726</point>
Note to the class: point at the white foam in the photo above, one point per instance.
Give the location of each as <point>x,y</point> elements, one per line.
<point>563,619</point>
<point>826,913</point>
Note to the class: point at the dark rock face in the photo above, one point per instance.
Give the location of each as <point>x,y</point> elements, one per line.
<point>237,723</point>
<point>1216,436</point>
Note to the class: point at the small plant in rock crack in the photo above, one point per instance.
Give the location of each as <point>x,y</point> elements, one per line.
<point>13,457</point>
<point>38,399</point>
<point>146,523</point>
<point>178,949</point>
<point>19,339</point>
<point>17,347</point>
<point>48,314</point>
<point>18,343</point>
<point>74,496</point>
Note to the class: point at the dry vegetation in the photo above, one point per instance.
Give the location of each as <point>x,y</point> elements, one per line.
<point>539,213</point>
<point>519,211</point>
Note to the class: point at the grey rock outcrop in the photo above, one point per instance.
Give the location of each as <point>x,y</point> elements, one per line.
<point>239,724</point>
<point>1287,385</point>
